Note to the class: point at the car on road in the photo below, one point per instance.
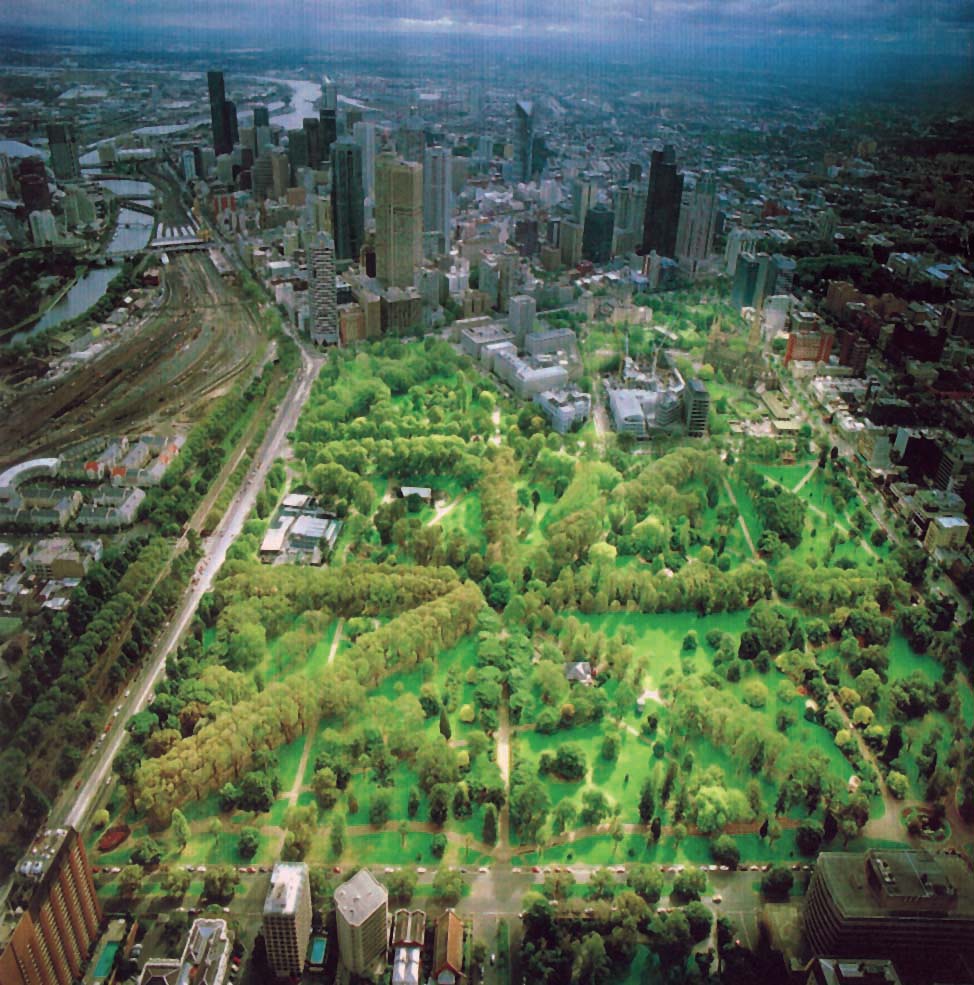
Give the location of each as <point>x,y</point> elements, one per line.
<point>717,898</point>
<point>128,691</point>
<point>493,959</point>
<point>108,726</point>
<point>389,868</point>
<point>621,869</point>
<point>77,785</point>
<point>516,871</point>
<point>483,868</point>
<point>201,868</point>
<point>535,868</point>
<point>337,869</point>
<point>420,870</point>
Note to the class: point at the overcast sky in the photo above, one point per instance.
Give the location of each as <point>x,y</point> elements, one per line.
<point>935,25</point>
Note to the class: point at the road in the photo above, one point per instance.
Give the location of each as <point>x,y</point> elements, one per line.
<point>73,807</point>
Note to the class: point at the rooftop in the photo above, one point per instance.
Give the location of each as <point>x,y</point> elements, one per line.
<point>285,889</point>
<point>357,899</point>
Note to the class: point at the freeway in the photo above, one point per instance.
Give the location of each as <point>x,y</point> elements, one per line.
<point>73,807</point>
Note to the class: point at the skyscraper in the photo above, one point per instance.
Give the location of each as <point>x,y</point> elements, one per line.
<point>328,115</point>
<point>347,198</point>
<point>262,117</point>
<point>662,204</point>
<point>361,911</point>
<point>364,134</point>
<point>698,220</point>
<point>438,194</point>
<point>583,198</point>
<point>219,117</point>
<point>312,128</point>
<point>287,918</point>
<point>697,403</point>
<point>398,220</point>
<point>523,139</point>
<point>597,234</point>
<point>322,291</point>
<point>64,151</point>
<point>61,913</point>
<point>522,310</point>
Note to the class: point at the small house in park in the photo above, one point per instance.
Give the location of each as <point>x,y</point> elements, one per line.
<point>448,950</point>
<point>424,493</point>
<point>579,672</point>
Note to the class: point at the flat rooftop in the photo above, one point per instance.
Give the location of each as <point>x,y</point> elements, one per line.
<point>286,882</point>
<point>910,880</point>
<point>357,899</point>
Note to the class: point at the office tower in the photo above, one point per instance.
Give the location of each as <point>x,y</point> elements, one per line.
<point>329,131</point>
<point>583,198</point>
<point>662,204</point>
<point>322,291</point>
<point>738,241</point>
<point>347,198</point>
<point>597,234</point>
<point>571,243</point>
<point>230,122</point>
<point>64,151</point>
<point>361,911</point>
<point>329,95</point>
<point>754,280</point>
<point>35,192</point>
<point>485,150</point>
<point>438,194</point>
<point>697,402</point>
<point>297,148</point>
<point>523,139</point>
<point>364,134</point>
<point>522,309</point>
<point>312,129</point>
<point>287,918</point>
<point>262,117</point>
<point>222,143</point>
<point>261,175</point>
<point>188,162</point>
<point>61,913</point>
<point>43,230</point>
<point>498,276</point>
<point>635,172</point>
<point>280,172</point>
<point>398,220</point>
<point>890,903</point>
<point>698,221</point>
<point>352,118</point>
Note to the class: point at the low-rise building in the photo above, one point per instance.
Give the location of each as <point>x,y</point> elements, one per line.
<point>565,409</point>
<point>204,961</point>
<point>448,950</point>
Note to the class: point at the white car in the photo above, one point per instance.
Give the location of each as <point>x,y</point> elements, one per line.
<point>420,870</point>
<point>483,868</point>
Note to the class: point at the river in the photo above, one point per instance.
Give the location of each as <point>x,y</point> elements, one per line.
<point>82,296</point>
<point>304,95</point>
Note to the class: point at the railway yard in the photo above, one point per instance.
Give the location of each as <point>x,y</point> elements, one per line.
<point>165,366</point>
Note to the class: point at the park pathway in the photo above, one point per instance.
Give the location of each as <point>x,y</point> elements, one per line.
<point>495,438</point>
<point>442,510</point>
<point>504,765</point>
<point>806,477</point>
<point>740,518</point>
<point>295,791</point>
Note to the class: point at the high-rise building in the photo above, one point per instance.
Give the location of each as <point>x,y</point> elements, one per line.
<point>398,220</point>
<point>362,913</point>
<point>297,148</point>
<point>64,151</point>
<point>364,134</point>
<point>697,402</point>
<point>438,194</point>
<point>738,241</point>
<point>43,229</point>
<point>523,139</point>
<point>662,215</point>
<point>322,291</point>
<point>35,192</point>
<point>890,903</point>
<point>698,221</point>
<point>188,161</point>
<point>522,309</point>
<point>583,198</point>
<point>571,243</point>
<point>230,122</point>
<point>287,918</point>
<point>498,276</point>
<point>280,171</point>
<point>754,280</point>
<point>262,117</point>
<point>312,128</point>
<point>597,234</point>
<point>347,198</point>
<point>223,136</point>
<point>61,913</point>
<point>329,130</point>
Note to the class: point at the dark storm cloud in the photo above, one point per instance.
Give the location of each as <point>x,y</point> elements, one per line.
<point>603,19</point>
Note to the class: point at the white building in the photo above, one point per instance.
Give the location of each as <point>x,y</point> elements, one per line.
<point>287,918</point>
